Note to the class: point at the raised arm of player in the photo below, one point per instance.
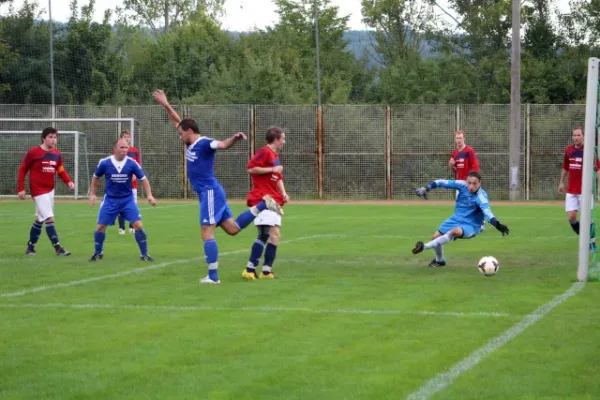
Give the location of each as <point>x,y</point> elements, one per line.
<point>161,98</point>
<point>443,183</point>
<point>23,170</point>
<point>227,143</point>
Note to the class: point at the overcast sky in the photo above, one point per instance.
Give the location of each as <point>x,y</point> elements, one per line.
<point>241,15</point>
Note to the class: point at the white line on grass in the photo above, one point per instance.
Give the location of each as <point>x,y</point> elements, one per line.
<point>136,270</point>
<point>257,309</point>
<point>442,380</point>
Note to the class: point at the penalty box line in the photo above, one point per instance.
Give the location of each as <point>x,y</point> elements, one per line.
<point>139,270</point>
<point>444,379</point>
<point>456,314</point>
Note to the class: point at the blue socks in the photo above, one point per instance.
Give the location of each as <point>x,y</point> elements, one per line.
<point>255,254</point>
<point>575,227</point>
<point>98,241</point>
<point>211,253</point>
<point>261,206</point>
<point>244,219</point>
<point>270,253</point>
<point>34,233</point>
<point>140,238</point>
<point>51,231</point>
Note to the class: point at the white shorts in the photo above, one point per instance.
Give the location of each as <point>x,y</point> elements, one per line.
<point>134,195</point>
<point>268,217</point>
<point>573,202</point>
<point>44,206</point>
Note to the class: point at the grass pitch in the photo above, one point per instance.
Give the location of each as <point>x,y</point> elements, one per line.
<point>354,316</point>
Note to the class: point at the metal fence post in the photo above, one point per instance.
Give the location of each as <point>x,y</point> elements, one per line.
<point>388,152</point>
<point>185,177</point>
<point>320,162</point>
<point>527,151</point>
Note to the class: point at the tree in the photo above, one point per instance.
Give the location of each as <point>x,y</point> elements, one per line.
<point>161,16</point>
<point>26,68</point>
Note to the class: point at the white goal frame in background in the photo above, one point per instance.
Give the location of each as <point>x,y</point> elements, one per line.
<point>76,134</point>
<point>591,116</point>
<point>76,141</point>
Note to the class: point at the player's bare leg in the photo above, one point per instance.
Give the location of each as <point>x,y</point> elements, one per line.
<point>270,253</point>
<point>438,240</point>
<point>141,239</point>
<point>99,236</point>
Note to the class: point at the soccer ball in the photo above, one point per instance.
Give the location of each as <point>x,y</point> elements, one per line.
<point>488,266</point>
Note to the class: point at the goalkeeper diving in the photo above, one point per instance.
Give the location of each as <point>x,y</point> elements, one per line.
<point>472,206</point>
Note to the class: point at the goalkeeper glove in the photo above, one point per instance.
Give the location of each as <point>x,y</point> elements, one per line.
<point>502,228</point>
<point>422,192</point>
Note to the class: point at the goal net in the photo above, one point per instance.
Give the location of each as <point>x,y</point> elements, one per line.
<point>81,141</point>
<point>588,268</point>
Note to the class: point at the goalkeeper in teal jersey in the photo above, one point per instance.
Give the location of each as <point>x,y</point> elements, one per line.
<point>472,206</point>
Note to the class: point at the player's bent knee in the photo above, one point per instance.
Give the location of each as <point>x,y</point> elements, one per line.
<point>275,236</point>
<point>101,228</point>
<point>263,233</point>
<point>137,225</point>
<point>207,232</point>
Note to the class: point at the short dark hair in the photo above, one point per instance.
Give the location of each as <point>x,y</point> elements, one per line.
<point>188,123</point>
<point>474,174</point>
<point>579,128</point>
<point>273,133</point>
<point>124,132</point>
<point>47,131</point>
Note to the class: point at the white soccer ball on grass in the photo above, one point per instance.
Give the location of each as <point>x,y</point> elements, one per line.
<point>488,266</point>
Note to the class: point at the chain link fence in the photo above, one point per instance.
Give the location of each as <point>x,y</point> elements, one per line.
<point>337,152</point>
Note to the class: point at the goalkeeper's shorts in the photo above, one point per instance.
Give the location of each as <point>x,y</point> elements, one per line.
<point>469,230</point>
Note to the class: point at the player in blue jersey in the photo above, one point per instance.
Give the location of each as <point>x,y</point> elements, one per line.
<point>119,171</point>
<point>214,209</point>
<point>472,206</point>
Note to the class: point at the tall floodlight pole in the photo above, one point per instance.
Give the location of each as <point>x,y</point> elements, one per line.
<point>316,16</point>
<point>515,103</point>
<point>51,55</point>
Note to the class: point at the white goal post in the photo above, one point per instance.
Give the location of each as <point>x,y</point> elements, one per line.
<point>591,119</point>
<point>14,133</point>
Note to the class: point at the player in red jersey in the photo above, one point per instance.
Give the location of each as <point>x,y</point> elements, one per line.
<point>267,179</point>
<point>43,162</point>
<point>463,160</point>
<point>573,167</point>
<point>134,153</point>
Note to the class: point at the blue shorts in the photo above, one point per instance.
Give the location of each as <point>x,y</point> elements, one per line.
<point>214,209</point>
<point>111,207</point>
<point>469,230</point>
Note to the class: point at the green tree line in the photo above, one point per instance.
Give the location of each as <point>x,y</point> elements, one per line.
<point>412,56</point>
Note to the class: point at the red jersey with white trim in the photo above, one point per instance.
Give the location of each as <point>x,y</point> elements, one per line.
<point>42,165</point>
<point>134,153</point>
<point>465,161</point>
<point>573,163</point>
<point>263,184</point>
